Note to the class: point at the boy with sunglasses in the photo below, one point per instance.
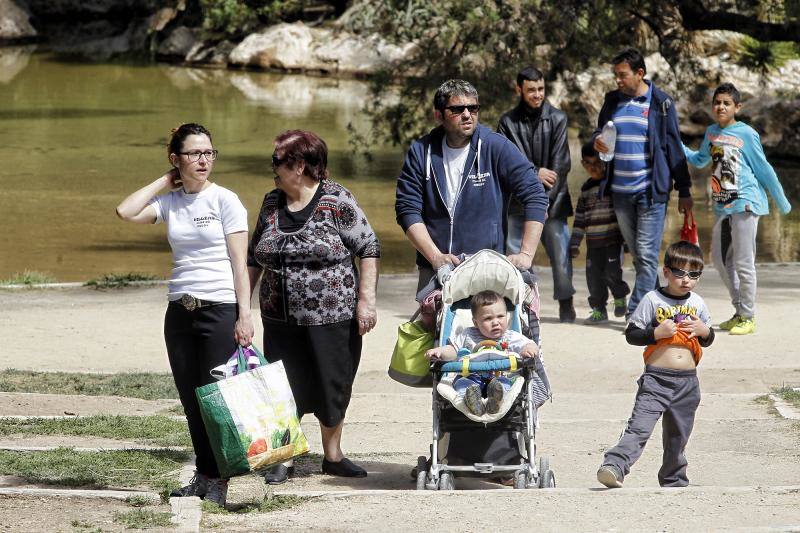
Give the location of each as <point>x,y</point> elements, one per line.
<point>674,325</point>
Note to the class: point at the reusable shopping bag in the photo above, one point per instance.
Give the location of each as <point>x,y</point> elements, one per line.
<point>408,365</point>
<point>689,229</point>
<point>251,418</point>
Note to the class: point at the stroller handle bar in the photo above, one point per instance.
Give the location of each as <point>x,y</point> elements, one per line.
<point>466,366</point>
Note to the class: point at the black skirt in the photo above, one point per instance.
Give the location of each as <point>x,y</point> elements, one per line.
<point>320,362</point>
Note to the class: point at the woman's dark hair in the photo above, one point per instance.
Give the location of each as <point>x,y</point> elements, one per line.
<point>727,88</point>
<point>632,57</point>
<point>683,253</point>
<point>298,145</point>
<point>179,134</point>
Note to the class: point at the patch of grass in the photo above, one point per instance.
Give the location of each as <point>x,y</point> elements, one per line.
<point>117,281</point>
<point>137,501</point>
<point>154,430</point>
<point>85,527</point>
<point>142,385</point>
<point>268,505</point>
<point>789,395</point>
<point>175,410</point>
<point>28,277</point>
<point>142,519</point>
<point>117,468</point>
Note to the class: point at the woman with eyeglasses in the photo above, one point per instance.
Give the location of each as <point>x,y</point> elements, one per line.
<point>209,293</point>
<point>315,303</point>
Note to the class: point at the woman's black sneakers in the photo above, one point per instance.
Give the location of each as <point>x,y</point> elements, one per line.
<point>343,468</point>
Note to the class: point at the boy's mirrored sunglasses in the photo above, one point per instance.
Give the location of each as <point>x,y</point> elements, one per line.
<point>680,273</point>
<point>458,109</point>
<point>194,157</point>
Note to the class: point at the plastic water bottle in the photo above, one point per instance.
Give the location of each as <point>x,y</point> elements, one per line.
<point>609,137</point>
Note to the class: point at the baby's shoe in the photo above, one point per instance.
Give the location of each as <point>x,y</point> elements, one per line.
<point>474,400</point>
<point>494,396</point>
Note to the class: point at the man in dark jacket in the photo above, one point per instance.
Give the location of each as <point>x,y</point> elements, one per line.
<point>453,192</point>
<point>540,131</point>
<point>648,163</point>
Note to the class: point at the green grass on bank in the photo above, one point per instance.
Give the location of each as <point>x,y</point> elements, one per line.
<point>117,281</point>
<point>143,519</point>
<point>28,277</point>
<point>151,430</point>
<point>788,394</point>
<point>142,385</point>
<point>267,505</point>
<point>157,470</point>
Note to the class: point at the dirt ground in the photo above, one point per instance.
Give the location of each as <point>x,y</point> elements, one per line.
<point>743,458</point>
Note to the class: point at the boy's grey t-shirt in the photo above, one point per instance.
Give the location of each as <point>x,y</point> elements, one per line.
<point>656,306</point>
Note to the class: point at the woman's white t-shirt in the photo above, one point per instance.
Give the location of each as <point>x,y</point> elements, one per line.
<point>196,228</point>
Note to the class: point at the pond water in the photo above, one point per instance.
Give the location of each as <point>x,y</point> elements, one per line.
<point>75,138</point>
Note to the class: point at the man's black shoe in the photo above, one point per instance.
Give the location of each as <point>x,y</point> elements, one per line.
<point>343,468</point>
<point>278,475</point>
<point>566,311</point>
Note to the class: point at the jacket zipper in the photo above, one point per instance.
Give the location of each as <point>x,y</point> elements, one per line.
<point>450,214</point>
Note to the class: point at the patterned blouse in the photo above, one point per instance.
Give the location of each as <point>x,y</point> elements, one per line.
<point>309,275</point>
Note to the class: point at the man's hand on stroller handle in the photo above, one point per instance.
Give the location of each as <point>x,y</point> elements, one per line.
<point>523,260</point>
<point>441,259</point>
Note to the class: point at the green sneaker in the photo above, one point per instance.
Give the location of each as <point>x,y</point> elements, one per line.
<point>620,307</point>
<point>745,326</point>
<point>597,316</point>
<point>730,323</point>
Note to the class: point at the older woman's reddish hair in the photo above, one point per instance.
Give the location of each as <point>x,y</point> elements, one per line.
<point>305,146</point>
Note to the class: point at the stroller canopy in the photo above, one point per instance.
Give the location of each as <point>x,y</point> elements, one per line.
<point>486,270</point>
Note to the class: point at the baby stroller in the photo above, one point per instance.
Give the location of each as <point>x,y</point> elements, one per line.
<point>491,445</point>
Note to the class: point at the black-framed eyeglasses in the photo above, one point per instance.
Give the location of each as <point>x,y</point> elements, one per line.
<point>680,273</point>
<point>277,161</point>
<point>194,156</point>
<point>458,109</point>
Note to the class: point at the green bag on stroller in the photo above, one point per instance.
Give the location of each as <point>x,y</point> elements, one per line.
<point>409,365</point>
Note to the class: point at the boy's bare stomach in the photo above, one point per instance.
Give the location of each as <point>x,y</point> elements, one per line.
<point>672,356</point>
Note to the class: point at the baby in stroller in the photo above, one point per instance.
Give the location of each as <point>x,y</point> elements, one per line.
<point>484,303</point>
<point>490,330</point>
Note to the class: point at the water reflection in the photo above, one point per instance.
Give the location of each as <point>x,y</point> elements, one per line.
<point>13,60</point>
<point>77,138</point>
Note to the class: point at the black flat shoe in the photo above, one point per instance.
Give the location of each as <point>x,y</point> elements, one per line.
<point>344,468</point>
<point>278,475</point>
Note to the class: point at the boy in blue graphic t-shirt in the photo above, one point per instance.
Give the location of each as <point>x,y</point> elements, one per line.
<point>740,179</point>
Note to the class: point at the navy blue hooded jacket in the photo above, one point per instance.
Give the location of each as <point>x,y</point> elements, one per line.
<point>667,159</point>
<point>495,170</point>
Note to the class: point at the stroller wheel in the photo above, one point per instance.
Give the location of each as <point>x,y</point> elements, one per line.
<point>422,472</point>
<point>521,479</point>
<point>446,481</point>
<point>547,480</point>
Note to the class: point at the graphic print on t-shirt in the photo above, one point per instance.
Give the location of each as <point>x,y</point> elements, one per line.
<point>204,221</point>
<point>726,158</point>
<point>678,313</point>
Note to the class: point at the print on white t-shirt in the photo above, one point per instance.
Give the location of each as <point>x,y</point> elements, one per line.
<point>454,161</point>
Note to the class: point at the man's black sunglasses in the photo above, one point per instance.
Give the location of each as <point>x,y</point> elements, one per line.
<point>458,109</point>
<point>680,273</point>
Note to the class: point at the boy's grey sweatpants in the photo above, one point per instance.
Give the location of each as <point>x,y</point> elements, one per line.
<point>673,395</point>
<point>733,250</point>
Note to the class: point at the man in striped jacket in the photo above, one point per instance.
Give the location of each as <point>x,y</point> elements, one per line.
<point>648,163</point>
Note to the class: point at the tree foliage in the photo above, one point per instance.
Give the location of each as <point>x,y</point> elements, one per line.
<point>488,42</point>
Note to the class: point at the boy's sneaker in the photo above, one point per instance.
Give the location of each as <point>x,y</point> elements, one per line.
<point>620,307</point>
<point>198,486</point>
<point>730,323</point>
<point>745,326</point>
<point>217,491</point>
<point>610,476</point>
<point>494,396</point>
<point>474,400</point>
<point>597,316</point>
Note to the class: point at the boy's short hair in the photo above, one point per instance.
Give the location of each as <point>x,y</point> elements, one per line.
<point>482,299</point>
<point>587,150</point>
<point>727,88</point>
<point>632,57</point>
<point>683,253</point>
<point>529,74</point>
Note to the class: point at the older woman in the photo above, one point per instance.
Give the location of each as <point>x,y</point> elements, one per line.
<point>209,296</point>
<point>315,305</point>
